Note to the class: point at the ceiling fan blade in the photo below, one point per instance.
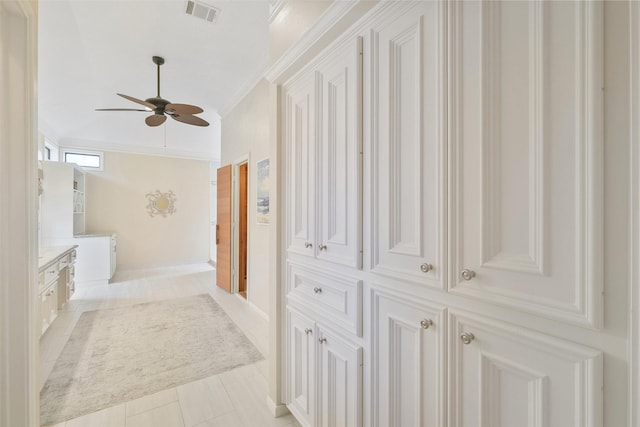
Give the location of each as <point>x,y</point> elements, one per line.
<point>155,119</point>
<point>184,108</point>
<point>191,120</point>
<point>120,109</point>
<point>139,101</point>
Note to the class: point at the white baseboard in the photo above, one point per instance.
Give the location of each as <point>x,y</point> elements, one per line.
<point>277,410</point>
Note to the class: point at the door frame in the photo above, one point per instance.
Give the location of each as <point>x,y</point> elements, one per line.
<point>634,212</point>
<point>19,320</point>
<point>235,222</point>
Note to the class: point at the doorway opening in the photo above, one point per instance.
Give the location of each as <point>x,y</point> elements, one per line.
<point>243,173</point>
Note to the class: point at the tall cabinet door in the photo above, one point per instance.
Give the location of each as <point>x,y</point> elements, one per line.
<point>301,367</point>
<point>340,381</point>
<point>339,160</point>
<point>526,166</point>
<point>505,376</point>
<point>408,143</point>
<point>299,98</point>
<point>408,362</point>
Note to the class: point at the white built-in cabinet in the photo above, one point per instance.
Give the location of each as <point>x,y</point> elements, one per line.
<point>62,201</point>
<point>324,177</point>
<point>479,202</point>
<point>324,160</point>
<point>526,156</point>
<point>325,372</point>
<point>62,222</point>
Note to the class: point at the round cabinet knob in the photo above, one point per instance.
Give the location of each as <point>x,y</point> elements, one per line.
<point>468,274</point>
<point>317,290</point>
<point>426,323</point>
<point>308,245</point>
<point>425,268</point>
<point>322,340</point>
<point>323,247</point>
<point>307,331</point>
<point>467,337</point>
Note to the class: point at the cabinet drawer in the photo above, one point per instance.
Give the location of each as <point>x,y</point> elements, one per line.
<point>63,262</point>
<point>50,274</point>
<point>337,298</point>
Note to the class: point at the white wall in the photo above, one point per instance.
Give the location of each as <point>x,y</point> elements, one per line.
<point>245,130</point>
<point>116,202</point>
<point>293,20</point>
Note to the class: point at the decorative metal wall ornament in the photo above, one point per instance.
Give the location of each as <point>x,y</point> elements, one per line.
<point>161,203</point>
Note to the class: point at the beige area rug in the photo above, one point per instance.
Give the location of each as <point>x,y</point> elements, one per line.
<point>120,354</point>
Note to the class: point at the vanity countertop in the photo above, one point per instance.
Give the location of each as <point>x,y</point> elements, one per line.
<point>79,236</point>
<point>48,255</point>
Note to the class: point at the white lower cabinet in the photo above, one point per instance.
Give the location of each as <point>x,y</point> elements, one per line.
<point>324,374</point>
<point>508,376</point>
<point>408,359</point>
<point>48,306</point>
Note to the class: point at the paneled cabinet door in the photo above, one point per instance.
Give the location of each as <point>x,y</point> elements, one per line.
<point>501,376</point>
<point>339,83</point>
<point>340,381</point>
<point>526,156</point>
<point>299,134</point>
<point>408,356</point>
<point>301,367</point>
<point>407,122</point>
<point>323,148</point>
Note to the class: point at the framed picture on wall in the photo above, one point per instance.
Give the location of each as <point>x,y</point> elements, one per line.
<point>262,193</point>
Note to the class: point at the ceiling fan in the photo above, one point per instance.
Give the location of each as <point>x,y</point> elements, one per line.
<point>162,108</point>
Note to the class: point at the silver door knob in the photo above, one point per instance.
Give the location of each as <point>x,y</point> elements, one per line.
<point>426,323</point>
<point>307,331</point>
<point>322,247</point>
<point>307,245</point>
<point>467,337</point>
<point>317,290</point>
<point>322,340</point>
<point>425,268</point>
<point>468,274</point>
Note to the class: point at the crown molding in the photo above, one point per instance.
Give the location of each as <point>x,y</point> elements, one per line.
<point>242,93</point>
<point>300,51</point>
<point>133,149</point>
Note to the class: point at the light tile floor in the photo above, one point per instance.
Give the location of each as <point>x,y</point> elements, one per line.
<point>236,398</point>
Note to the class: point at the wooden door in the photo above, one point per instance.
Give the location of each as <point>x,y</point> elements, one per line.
<point>223,229</point>
<point>243,231</point>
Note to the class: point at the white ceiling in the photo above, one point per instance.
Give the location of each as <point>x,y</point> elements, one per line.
<point>89,50</point>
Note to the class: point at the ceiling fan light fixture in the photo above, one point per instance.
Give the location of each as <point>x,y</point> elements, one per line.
<point>160,106</point>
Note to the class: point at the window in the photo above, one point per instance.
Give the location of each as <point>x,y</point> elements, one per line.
<point>47,153</point>
<point>86,159</point>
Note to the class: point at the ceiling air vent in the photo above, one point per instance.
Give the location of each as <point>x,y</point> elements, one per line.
<point>202,10</point>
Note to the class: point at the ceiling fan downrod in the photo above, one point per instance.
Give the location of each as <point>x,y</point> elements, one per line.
<point>158,60</point>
